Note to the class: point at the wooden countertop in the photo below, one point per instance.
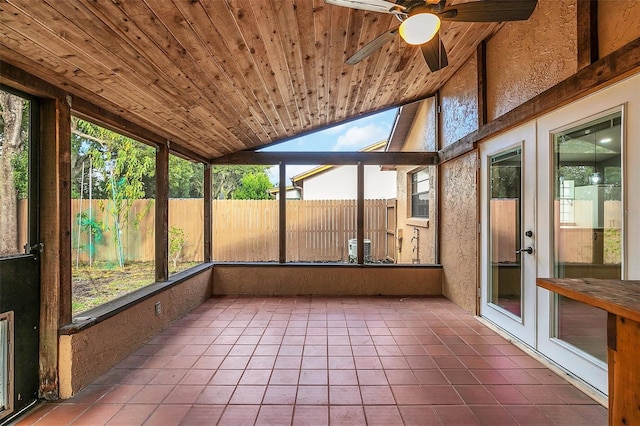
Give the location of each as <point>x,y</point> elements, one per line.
<point>620,297</point>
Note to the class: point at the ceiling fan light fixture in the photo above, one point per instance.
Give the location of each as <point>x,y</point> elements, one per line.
<point>419,28</point>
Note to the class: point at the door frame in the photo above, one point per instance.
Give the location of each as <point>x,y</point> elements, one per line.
<point>524,327</point>
<point>25,268</point>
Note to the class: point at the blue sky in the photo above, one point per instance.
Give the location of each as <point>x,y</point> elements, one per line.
<point>351,136</point>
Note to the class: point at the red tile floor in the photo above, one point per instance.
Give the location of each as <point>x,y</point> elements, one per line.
<point>326,360</point>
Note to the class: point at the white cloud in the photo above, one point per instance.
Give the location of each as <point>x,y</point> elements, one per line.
<point>358,137</point>
<point>336,129</point>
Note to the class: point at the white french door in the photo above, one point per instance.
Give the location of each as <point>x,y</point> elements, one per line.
<point>508,234</point>
<point>566,186</point>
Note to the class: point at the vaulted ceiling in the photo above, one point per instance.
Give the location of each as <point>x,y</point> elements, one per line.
<point>220,76</point>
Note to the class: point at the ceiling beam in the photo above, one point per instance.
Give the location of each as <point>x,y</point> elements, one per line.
<point>329,158</point>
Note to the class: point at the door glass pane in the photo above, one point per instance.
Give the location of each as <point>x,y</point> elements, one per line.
<point>505,280</point>
<point>587,223</point>
<point>14,172</point>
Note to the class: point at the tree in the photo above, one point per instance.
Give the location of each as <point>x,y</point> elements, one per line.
<point>119,168</point>
<point>12,146</point>
<point>226,179</point>
<point>185,178</point>
<point>253,186</point>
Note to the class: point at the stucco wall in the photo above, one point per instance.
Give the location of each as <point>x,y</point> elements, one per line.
<point>421,137</point>
<point>618,24</point>
<point>326,280</point>
<point>459,100</point>
<point>527,57</point>
<point>90,352</point>
<point>459,231</point>
<point>340,183</point>
<point>420,250</point>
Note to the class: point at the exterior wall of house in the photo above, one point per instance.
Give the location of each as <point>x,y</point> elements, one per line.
<point>458,241</point>
<point>340,183</point>
<point>459,101</point>
<point>459,230</point>
<point>86,354</point>
<point>421,137</point>
<point>618,24</point>
<point>526,58</point>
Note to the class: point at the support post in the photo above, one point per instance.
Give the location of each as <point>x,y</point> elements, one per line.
<point>55,226</point>
<point>162,213</point>
<point>282,213</point>
<point>360,214</point>
<point>208,224</point>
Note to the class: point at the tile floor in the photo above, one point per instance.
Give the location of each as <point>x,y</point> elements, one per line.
<point>326,360</point>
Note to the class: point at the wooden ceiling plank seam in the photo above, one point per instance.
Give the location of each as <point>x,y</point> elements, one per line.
<point>321,25</point>
<point>375,25</point>
<point>292,15</point>
<point>280,13</point>
<point>355,30</point>
<point>244,21</point>
<point>348,77</point>
<point>136,13</point>
<point>79,75</point>
<point>378,75</point>
<point>277,57</point>
<point>213,41</point>
<point>306,43</point>
<point>151,87</point>
<point>340,75</point>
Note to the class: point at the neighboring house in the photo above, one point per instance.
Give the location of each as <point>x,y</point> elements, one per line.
<point>293,193</point>
<point>339,182</point>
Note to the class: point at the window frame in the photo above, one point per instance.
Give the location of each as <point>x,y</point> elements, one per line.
<point>411,183</point>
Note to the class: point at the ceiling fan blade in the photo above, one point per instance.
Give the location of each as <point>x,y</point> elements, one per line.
<point>434,53</point>
<point>372,46</point>
<point>489,11</point>
<point>381,6</point>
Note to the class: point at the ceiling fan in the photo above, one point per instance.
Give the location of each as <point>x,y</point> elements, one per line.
<point>420,22</point>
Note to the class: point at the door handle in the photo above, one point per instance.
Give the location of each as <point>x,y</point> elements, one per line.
<point>525,250</point>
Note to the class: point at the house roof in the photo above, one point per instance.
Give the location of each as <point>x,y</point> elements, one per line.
<point>218,77</point>
<point>321,169</point>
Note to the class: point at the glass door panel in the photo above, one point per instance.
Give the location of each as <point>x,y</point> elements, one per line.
<point>587,223</point>
<point>504,231</point>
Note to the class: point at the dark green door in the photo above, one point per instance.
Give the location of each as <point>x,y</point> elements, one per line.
<point>19,255</point>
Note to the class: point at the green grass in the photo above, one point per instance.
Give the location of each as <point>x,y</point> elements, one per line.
<point>105,281</point>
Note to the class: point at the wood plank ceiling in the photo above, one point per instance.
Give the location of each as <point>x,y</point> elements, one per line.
<point>220,76</point>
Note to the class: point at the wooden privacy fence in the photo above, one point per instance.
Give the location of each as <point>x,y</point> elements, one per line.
<point>243,230</point>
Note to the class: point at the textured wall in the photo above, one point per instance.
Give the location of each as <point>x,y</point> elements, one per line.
<point>459,235</point>
<point>421,137</point>
<point>87,354</point>
<point>327,280</point>
<point>525,58</point>
<point>459,100</point>
<point>618,24</point>
<point>422,250</point>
